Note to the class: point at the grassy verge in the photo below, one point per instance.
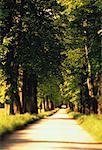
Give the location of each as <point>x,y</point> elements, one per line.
<point>91,123</point>
<point>13,122</point>
<point>74,115</point>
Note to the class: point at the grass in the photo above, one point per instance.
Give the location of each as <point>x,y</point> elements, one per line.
<point>91,123</point>
<point>74,115</point>
<point>9,123</point>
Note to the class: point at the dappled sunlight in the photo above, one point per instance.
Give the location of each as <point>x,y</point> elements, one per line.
<point>52,134</point>
<point>50,75</point>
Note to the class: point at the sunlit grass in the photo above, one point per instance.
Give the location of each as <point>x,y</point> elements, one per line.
<point>91,123</point>
<point>74,115</point>
<point>8,123</point>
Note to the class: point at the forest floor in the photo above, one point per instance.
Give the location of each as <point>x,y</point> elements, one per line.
<point>57,132</point>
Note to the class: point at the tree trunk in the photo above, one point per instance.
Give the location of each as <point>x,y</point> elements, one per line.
<point>46,104</point>
<point>90,84</point>
<point>35,94</point>
<point>89,77</point>
<point>18,103</point>
<point>32,93</point>
<point>12,107</point>
<point>24,92</point>
<point>43,104</point>
<point>81,95</point>
<point>76,107</point>
<point>29,93</point>
<point>12,80</point>
<point>15,85</point>
<point>51,105</point>
<point>7,109</point>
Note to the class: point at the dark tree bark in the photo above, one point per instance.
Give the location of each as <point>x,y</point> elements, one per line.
<point>12,108</point>
<point>32,92</point>
<point>99,94</point>
<point>11,71</point>
<point>16,93</point>
<point>24,92</point>
<point>51,105</point>
<point>35,94</point>
<point>46,104</point>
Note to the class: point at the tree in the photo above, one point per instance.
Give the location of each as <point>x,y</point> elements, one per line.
<point>32,48</point>
<point>82,33</point>
<point>49,92</point>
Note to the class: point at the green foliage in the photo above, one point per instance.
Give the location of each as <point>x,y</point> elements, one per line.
<point>10,123</point>
<point>72,67</point>
<point>3,88</point>
<point>30,38</point>
<point>50,87</point>
<point>49,37</point>
<point>83,25</point>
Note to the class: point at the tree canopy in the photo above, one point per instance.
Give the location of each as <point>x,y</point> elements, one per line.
<point>52,50</point>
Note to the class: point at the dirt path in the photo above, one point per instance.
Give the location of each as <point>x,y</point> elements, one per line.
<point>57,132</point>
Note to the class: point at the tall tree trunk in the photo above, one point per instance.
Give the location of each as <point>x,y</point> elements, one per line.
<point>81,94</point>
<point>89,77</point>
<point>12,108</point>
<point>12,80</point>
<point>16,92</point>
<point>51,105</point>
<point>84,94</point>
<point>46,104</point>
<point>35,93</point>
<point>18,103</point>
<point>90,84</point>
<point>29,93</point>
<point>32,93</point>
<point>24,92</point>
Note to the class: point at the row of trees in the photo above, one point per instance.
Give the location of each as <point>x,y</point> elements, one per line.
<point>30,51</point>
<point>51,51</point>
<point>82,67</point>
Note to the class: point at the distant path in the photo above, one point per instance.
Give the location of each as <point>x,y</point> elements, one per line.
<point>57,132</point>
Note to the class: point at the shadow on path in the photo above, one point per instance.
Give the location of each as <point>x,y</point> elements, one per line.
<point>55,145</point>
<point>57,132</point>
